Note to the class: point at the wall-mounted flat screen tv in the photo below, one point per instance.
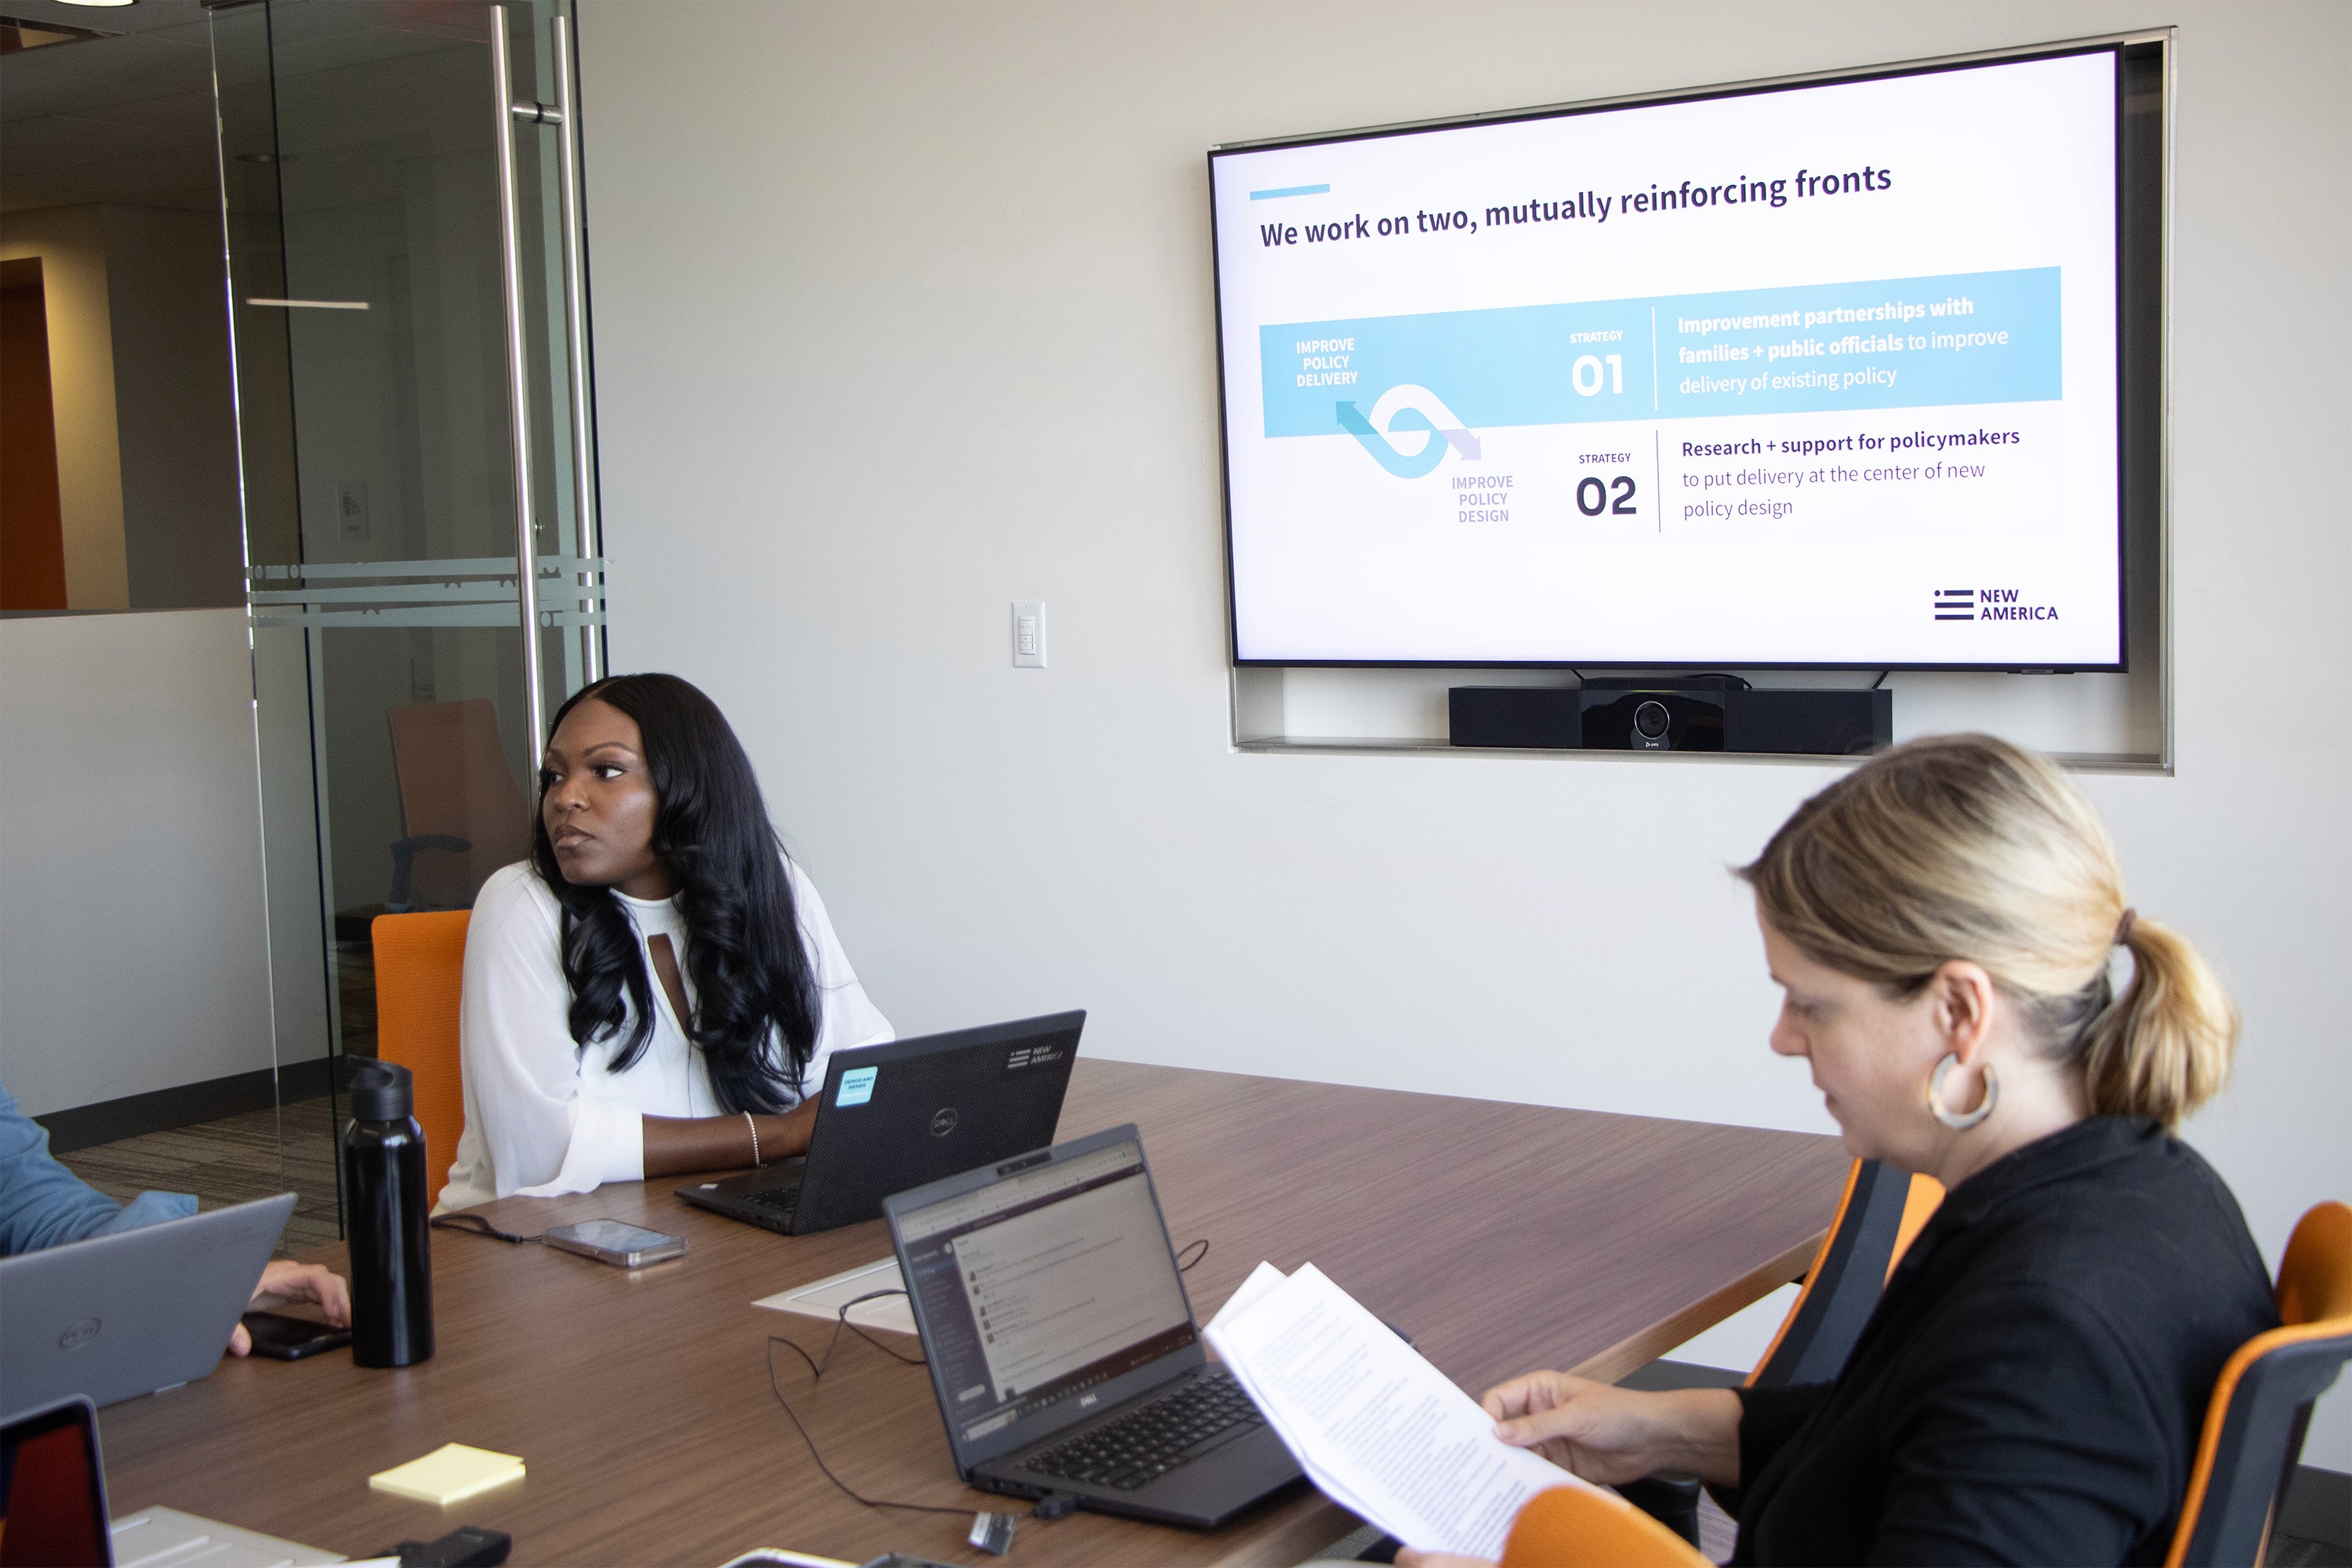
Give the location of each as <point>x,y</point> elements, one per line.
<point>1819,374</point>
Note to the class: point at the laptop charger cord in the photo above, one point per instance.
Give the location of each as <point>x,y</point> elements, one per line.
<point>817,1365</point>
<point>991,1532</point>
<point>475,1224</point>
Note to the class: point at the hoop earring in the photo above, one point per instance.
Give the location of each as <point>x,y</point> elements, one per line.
<point>1961,1121</point>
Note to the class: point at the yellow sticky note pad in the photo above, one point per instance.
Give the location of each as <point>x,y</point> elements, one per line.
<point>451,1473</point>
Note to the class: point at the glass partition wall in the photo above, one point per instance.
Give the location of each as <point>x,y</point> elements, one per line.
<point>407,303</point>
<point>136,1011</point>
<point>296,515</point>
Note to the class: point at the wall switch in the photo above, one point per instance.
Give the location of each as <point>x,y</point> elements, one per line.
<point>352,508</point>
<point>1029,634</point>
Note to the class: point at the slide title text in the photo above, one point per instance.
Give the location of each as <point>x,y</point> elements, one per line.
<point>1586,205</point>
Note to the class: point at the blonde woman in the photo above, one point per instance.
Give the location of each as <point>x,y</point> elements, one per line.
<point>1942,923</point>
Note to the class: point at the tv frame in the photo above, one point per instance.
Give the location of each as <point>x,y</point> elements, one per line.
<point>2144,60</point>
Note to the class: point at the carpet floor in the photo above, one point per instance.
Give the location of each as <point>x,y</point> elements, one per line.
<point>291,1148</point>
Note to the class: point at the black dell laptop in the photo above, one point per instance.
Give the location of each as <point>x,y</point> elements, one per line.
<point>1061,1343</point>
<point>895,1116</point>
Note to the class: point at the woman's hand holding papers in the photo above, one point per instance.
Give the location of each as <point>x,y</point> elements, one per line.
<point>1609,1435</point>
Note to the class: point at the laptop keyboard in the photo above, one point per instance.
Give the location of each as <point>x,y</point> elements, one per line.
<point>1145,1444</point>
<point>781,1199</point>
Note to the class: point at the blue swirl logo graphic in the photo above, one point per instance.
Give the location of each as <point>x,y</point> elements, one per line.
<point>1409,431</point>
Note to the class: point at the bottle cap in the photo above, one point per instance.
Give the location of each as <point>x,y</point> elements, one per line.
<point>382,1091</point>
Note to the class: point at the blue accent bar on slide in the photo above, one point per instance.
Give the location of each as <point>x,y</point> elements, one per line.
<point>1290,191</point>
<point>1904,342</point>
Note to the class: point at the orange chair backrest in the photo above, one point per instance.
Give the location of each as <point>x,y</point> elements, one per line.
<point>420,965</point>
<point>1921,1198</point>
<point>2314,1302</point>
<point>1919,1207</point>
<point>1571,1527</point>
<point>2315,1278</point>
<point>1812,1272</point>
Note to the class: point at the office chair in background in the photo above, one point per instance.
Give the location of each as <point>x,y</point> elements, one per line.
<point>461,816</point>
<point>2261,1408</point>
<point>419,977</point>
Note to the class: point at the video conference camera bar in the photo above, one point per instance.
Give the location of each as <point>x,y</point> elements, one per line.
<point>1686,713</point>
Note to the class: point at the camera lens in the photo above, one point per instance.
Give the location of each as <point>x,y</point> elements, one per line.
<point>1651,720</point>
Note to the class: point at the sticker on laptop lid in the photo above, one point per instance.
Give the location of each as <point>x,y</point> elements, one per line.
<point>856,1087</point>
<point>1035,1056</point>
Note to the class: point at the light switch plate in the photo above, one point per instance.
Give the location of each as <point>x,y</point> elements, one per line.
<point>1029,634</point>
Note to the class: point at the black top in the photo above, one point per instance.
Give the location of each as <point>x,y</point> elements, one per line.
<point>2033,1385</point>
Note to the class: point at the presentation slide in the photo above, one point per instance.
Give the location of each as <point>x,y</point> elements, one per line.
<point>1812,376</point>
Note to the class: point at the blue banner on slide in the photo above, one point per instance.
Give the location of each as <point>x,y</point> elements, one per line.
<point>1904,342</point>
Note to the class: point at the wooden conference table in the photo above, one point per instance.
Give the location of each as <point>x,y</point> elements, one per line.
<point>1503,1237</point>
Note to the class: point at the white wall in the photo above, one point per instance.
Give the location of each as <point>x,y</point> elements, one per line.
<point>131,942</point>
<point>903,312</point>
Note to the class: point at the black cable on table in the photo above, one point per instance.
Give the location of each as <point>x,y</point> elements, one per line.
<point>816,1369</point>
<point>475,1224</point>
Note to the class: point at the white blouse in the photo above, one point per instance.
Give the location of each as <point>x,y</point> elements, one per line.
<point>546,1115</point>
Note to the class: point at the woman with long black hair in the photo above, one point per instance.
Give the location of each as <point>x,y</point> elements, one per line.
<point>658,988</point>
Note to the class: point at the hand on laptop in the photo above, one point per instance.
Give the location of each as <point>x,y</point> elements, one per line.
<point>286,1280</point>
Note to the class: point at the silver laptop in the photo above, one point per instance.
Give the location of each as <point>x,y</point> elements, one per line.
<point>132,1313</point>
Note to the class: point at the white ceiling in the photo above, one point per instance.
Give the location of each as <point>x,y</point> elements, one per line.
<point>131,118</point>
<point>126,119</point>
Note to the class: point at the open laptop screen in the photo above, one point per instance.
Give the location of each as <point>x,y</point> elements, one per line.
<point>52,1500</point>
<point>1043,1285</point>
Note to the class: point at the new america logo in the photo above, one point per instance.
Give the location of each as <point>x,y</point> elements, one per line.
<point>1988,604</point>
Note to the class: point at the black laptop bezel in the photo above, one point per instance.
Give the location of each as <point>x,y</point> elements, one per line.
<point>853,1202</point>
<point>1042,1425</point>
<point>73,1411</point>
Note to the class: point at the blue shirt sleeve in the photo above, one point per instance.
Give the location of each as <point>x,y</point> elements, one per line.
<point>42,1204</point>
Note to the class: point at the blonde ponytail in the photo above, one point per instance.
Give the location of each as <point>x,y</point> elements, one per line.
<point>2164,1046</point>
<point>1964,846</point>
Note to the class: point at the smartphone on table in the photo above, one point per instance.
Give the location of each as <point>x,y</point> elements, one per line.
<point>610,1241</point>
<point>282,1337</point>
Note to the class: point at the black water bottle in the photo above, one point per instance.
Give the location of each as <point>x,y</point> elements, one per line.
<point>383,1183</point>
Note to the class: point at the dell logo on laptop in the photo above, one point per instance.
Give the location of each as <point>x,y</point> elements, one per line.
<point>81,1334</point>
<point>943,1121</point>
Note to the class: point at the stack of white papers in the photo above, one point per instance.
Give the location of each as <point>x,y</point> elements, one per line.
<point>1379,1430</point>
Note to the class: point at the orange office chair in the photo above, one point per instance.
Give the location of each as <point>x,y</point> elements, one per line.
<point>420,962</point>
<point>1878,1216</point>
<point>2255,1422</point>
<point>1583,1527</point>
